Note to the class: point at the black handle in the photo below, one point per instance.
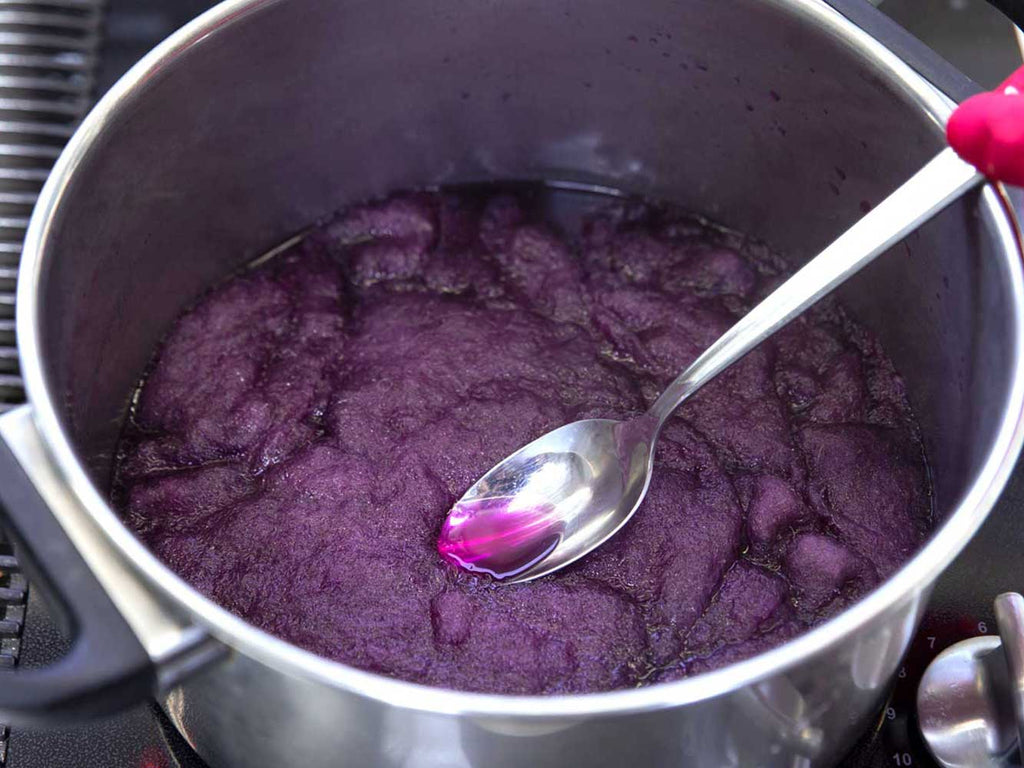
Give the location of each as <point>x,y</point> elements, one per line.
<point>106,669</point>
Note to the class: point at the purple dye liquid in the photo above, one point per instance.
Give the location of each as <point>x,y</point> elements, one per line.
<point>306,427</point>
<point>490,536</point>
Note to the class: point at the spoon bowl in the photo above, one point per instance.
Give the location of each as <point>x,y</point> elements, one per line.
<point>552,501</point>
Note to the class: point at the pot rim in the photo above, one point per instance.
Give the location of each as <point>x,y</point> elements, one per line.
<point>905,584</point>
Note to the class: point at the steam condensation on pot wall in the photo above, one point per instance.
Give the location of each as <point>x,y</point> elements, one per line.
<point>307,425</point>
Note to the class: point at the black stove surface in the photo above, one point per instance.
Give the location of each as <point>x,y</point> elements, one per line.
<point>961,605</point>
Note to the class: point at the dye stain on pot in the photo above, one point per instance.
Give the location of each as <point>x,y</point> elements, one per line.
<point>305,427</point>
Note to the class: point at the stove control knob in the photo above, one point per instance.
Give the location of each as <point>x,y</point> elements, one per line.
<point>971,698</point>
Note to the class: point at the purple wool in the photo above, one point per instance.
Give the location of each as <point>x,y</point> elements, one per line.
<point>307,425</point>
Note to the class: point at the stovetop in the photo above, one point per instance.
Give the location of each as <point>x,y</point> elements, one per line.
<point>961,606</point>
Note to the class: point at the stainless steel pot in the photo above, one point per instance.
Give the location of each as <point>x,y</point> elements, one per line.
<point>777,117</point>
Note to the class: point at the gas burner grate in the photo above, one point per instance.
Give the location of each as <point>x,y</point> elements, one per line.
<point>13,597</point>
<point>48,52</point>
<point>48,57</point>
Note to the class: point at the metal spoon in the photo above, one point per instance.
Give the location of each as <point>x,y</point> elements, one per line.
<point>564,494</point>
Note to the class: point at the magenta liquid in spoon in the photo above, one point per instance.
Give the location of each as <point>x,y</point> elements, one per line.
<point>508,539</point>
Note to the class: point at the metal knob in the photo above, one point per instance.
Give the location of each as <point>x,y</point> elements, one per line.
<point>970,704</point>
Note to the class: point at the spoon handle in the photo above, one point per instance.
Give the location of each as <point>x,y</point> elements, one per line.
<point>987,131</point>
<point>936,185</point>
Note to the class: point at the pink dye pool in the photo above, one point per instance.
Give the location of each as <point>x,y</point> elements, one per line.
<point>508,538</point>
<point>306,426</point>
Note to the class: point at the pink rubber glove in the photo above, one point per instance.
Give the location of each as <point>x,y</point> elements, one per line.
<point>987,131</point>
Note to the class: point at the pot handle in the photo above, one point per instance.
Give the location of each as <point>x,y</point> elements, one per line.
<point>1009,609</point>
<point>107,669</point>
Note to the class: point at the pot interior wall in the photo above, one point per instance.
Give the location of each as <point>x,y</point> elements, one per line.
<point>751,112</point>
